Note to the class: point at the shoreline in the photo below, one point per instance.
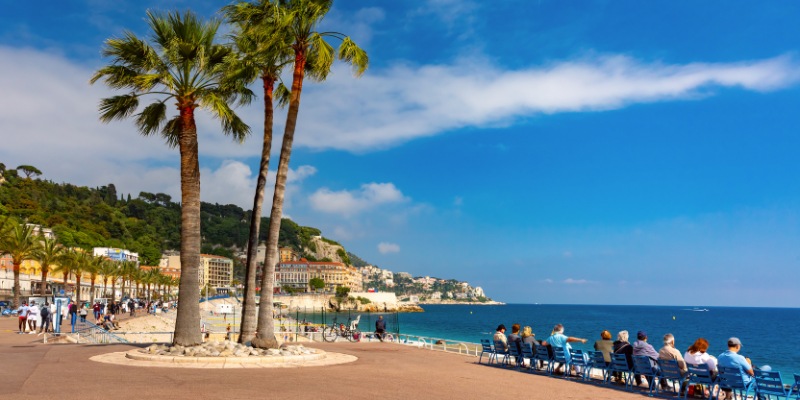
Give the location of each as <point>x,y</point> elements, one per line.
<point>466,303</point>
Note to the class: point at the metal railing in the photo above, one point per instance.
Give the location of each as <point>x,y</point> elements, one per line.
<point>93,334</point>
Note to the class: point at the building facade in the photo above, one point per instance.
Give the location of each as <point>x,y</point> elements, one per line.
<point>115,254</point>
<point>297,274</point>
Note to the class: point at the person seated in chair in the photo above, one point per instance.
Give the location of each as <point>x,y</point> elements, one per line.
<point>559,339</point>
<point>622,346</point>
<point>732,359</point>
<point>669,352</point>
<point>642,348</point>
<point>605,346</point>
<point>515,338</point>
<point>500,338</point>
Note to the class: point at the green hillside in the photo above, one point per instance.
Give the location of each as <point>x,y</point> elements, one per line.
<point>147,223</point>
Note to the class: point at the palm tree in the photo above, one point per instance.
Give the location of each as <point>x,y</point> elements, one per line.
<point>109,271</point>
<point>49,255</point>
<point>93,267</point>
<point>295,21</point>
<point>260,56</point>
<point>182,64</point>
<point>125,271</point>
<point>21,244</point>
<point>79,263</point>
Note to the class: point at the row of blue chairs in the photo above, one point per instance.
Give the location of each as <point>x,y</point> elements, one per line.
<point>765,385</point>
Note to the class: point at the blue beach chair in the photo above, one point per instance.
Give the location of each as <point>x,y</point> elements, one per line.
<point>513,351</point>
<point>543,359</point>
<point>486,348</point>
<point>599,362</point>
<point>730,379</point>
<point>527,352</point>
<point>770,386</point>
<point>671,373</point>
<point>561,357</point>
<point>619,364</point>
<point>795,390</point>
<point>580,361</point>
<point>700,375</point>
<point>643,366</point>
<point>500,349</point>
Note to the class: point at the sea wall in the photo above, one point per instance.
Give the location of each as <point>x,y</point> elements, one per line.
<point>378,301</point>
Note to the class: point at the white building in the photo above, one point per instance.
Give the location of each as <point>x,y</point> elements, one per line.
<point>116,254</point>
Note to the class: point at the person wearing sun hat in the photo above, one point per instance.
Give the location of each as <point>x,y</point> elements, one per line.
<point>732,359</point>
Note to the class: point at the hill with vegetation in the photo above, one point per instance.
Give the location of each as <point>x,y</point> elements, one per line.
<point>148,223</point>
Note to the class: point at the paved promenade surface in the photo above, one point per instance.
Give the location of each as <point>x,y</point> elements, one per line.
<point>30,369</point>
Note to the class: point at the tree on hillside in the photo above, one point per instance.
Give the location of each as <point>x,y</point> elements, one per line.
<point>180,63</point>
<point>261,56</point>
<point>316,283</point>
<point>29,170</point>
<point>49,255</point>
<point>21,244</point>
<point>296,22</point>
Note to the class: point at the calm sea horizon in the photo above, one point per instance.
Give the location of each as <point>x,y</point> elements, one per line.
<point>767,333</point>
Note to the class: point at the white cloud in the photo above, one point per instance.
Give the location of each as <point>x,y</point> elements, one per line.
<point>386,107</point>
<point>234,183</point>
<point>547,281</point>
<point>570,281</point>
<point>348,203</point>
<point>49,117</point>
<point>386,248</point>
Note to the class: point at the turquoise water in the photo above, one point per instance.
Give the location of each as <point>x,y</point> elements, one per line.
<point>769,335</point>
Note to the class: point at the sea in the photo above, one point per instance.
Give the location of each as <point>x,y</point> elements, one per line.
<point>768,335</point>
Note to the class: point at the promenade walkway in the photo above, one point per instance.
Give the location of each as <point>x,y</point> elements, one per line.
<point>30,369</point>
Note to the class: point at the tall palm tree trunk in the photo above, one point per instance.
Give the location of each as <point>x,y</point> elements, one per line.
<point>78,287</point>
<point>248,326</point>
<point>43,289</point>
<point>105,288</point>
<point>16,284</point>
<point>91,291</point>
<point>187,320</point>
<point>266,324</point>
<point>113,289</point>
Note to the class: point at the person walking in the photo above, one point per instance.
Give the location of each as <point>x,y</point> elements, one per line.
<point>73,314</point>
<point>22,313</point>
<point>380,328</point>
<point>33,317</point>
<point>45,314</point>
<point>84,312</point>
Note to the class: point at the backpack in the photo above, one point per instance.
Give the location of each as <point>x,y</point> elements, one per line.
<point>45,312</point>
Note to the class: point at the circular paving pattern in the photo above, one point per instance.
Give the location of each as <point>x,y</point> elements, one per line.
<point>138,359</point>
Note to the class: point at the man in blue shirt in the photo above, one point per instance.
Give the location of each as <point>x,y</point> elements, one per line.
<point>732,359</point>
<point>559,339</point>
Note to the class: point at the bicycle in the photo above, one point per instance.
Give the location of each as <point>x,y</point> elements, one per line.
<point>349,331</point>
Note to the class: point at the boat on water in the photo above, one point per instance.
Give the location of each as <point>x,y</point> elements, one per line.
<point>696,309</point>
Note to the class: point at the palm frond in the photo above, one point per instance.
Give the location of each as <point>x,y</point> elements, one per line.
<point>320,56</point>
<point>354,55</point>
<point>172,132</point>
<point>150,119</point>
<point>118,107</point>
<point>282,95</point>
<point>231,123</point>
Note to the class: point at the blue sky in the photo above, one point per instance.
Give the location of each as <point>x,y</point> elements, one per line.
<point>612,152</point>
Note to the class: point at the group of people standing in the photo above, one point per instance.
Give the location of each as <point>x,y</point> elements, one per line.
<point>696,354</point>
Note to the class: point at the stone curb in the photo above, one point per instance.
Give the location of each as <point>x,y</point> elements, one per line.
<point>137,355</point>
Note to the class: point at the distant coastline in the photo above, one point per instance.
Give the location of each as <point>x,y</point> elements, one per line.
<point>469,303</point>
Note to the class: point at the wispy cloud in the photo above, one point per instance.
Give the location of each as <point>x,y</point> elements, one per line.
<point>346,203</point>
<point>570,281</point>
<point>386,248</point>
<point>386,107</point>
